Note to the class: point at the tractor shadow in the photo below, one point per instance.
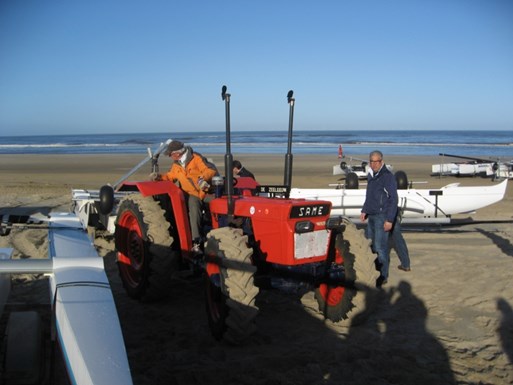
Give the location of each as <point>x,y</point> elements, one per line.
<point>170,342</point>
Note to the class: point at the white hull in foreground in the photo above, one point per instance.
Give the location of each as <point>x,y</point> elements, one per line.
<point>85,320</point>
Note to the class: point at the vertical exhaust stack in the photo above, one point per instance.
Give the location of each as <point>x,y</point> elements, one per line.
<point>228,158</point>
<point>288,157</point>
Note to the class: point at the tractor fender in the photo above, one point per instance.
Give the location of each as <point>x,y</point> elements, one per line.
<point>177,197</point>
<point>147,188</point>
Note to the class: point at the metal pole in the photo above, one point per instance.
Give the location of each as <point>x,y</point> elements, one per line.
<point>228,158</point>
<point>288,157</point>
<point>26,266</point>
<point>161,148</point>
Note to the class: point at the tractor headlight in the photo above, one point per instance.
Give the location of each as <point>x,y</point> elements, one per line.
<point>304,227</point>
<point>334,222</point>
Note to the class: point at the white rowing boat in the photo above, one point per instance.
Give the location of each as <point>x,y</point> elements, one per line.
<point>85,320</point>
<point>418,205</point>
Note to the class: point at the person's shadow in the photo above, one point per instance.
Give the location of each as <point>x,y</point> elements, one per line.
<point>403,351</point>
<point>506,328</point>
<point>293,344</point>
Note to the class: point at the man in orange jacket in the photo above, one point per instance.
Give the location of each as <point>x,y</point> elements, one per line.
<point>193,174</point>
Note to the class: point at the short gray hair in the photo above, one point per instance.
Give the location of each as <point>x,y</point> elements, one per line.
<point>376,152</point>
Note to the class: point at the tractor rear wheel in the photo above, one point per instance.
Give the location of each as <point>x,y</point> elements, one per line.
<point>144,248</point>
<point>350,305</point>
<point>231,294</point>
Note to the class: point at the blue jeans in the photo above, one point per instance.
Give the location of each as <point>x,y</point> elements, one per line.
<point>379,238</point>
<point>399,244</point>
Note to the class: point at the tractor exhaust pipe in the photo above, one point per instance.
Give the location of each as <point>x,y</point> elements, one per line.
<point>288,157</point>
<point>228,158</point>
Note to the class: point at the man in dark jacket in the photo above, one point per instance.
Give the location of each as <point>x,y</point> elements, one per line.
<point>380,210</point>
<point>239,170</point>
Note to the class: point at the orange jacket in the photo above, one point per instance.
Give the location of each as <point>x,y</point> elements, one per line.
<point>187,176</point>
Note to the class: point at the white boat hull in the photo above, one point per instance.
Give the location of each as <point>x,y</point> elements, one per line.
<point>417,204</point>
<point>85,319</point>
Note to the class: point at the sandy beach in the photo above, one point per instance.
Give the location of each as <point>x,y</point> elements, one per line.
<point>448,321</point>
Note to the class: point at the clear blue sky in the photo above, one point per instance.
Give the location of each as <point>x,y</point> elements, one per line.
<point>133,66</point>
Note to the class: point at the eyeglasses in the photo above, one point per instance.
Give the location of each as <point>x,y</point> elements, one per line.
<point>376,161</point>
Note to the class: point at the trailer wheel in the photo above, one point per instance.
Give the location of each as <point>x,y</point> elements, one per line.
<point>352,181</point>
<point>144,248</point>
<point>346,304</point>
<point>106,199</point>
<point>231,294</point>
<point>401,180</point>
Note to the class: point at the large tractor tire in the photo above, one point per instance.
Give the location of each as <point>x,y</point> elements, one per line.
<point>231,294</point>
<point>145,254</point>
<point>350,305</point>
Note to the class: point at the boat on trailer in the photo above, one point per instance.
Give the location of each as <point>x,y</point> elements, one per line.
<point>85,323</point>
<point>357,166</point>
<point>472,167</point>
<point>417,205</point>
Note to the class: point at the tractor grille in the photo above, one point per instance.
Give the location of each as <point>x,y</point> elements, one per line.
<point>311,244</point>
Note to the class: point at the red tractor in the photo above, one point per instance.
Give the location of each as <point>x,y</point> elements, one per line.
<point>257,239</point>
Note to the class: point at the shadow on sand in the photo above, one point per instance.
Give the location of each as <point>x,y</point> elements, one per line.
<point>502,243</point>
<point>402,350</point>
<point>170,342</point>
<point>506,328</point>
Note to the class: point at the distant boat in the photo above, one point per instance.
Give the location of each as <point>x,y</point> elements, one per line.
<point>473,167</point>
<point>361,169</point>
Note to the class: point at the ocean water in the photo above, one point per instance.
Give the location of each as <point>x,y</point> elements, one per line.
<point>489,144</point>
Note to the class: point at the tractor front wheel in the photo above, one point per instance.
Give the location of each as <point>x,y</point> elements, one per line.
<point>351,304</point>
<point>231,293</point>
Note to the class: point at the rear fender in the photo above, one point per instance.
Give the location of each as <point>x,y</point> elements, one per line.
<point>176,195</point>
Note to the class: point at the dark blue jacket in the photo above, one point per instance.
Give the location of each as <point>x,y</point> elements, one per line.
<point>381,195</point>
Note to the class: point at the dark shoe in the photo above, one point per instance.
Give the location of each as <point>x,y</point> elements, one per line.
<point>381,281</point>
<point>400,267</point>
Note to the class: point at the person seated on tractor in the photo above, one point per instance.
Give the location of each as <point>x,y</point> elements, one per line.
<point>193,173</point>
<point>240,170</point>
